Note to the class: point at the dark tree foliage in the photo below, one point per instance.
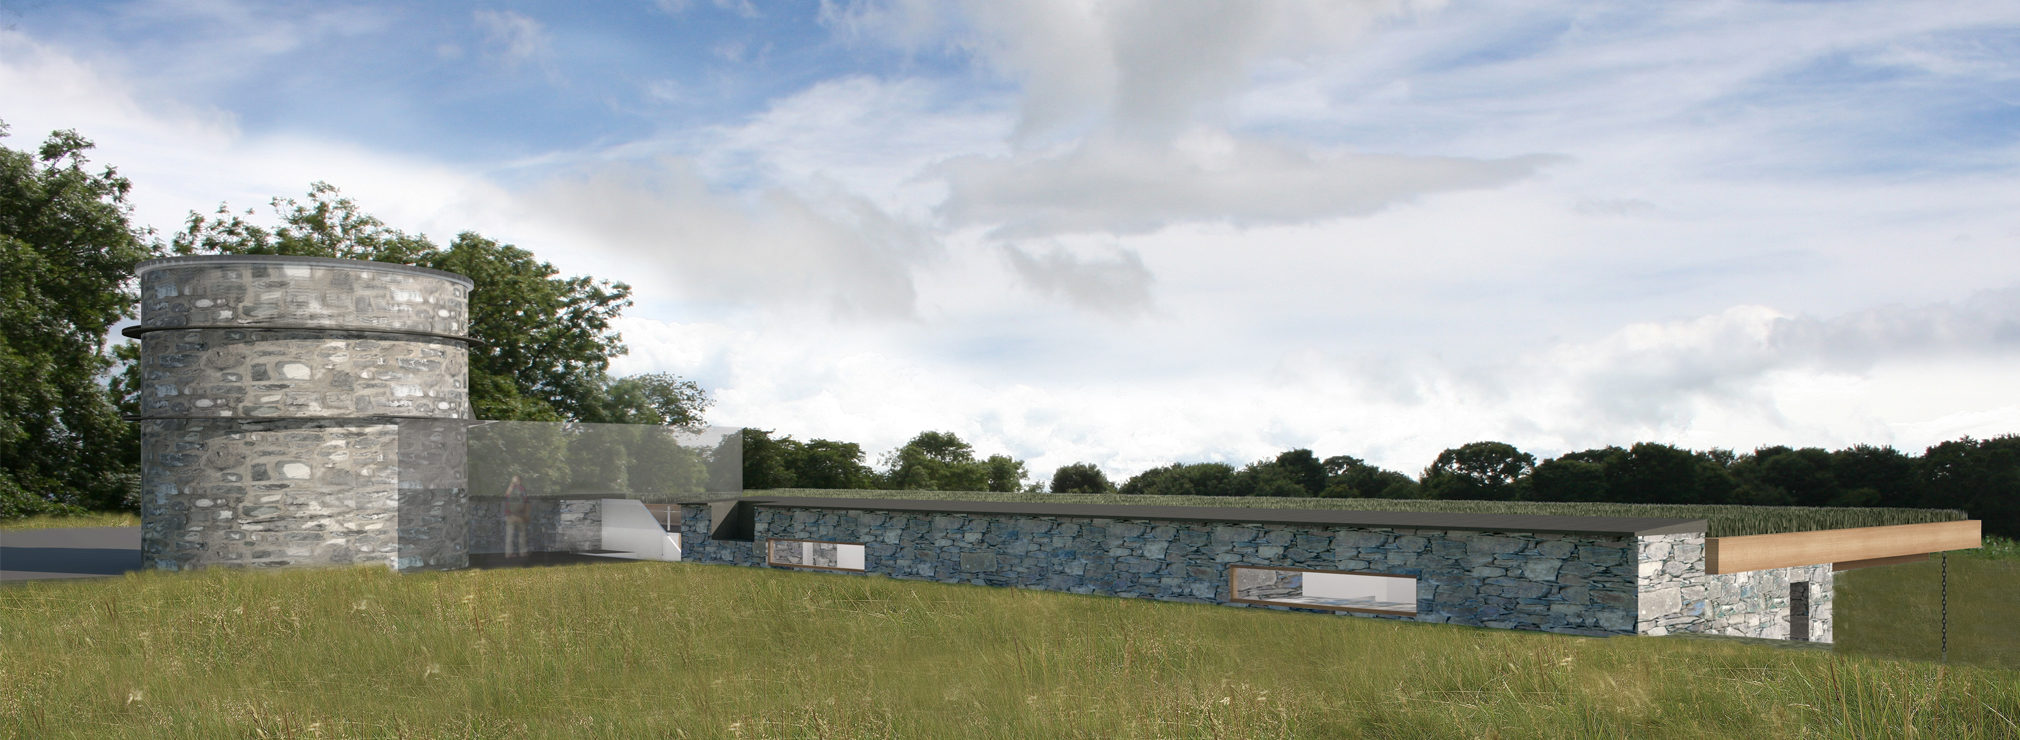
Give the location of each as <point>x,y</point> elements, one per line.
<point>1081,478</point>
<point>1868,475</point>
<point>768,463</point>
<point>1304,469</point>
<point>67,252</point>
<point>1267,478</point>
<point>1006,475</point>
<point>1569,478</point>
<point>545,341</point>
<point>1486,471</point>
<point>1782,476</point>
<point>1350,477</point>
<point>1978,476</point>
<point>829,464</point>
<point>1180,479</point>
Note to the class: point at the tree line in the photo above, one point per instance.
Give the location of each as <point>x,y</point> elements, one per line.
<point>68,249</point>
<point>1981,477</point>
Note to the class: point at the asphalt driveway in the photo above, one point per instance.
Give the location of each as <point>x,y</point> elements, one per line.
<point>94,552</point>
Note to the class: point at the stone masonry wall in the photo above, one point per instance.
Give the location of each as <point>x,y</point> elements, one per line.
<point>697,547</point>
<point>1677,595</point>
<point>253,373</point>
<point>268,493</point>
<point>1577,584</point>
<point>303,291</point>
<point>270,394</point>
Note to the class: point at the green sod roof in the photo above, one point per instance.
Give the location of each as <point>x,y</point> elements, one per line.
<point>1721,521</point>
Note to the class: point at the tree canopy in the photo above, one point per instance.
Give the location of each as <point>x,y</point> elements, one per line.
<point>68,249</point>
<point>1080,478</point>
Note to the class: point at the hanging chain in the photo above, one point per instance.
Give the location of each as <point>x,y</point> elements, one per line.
<point>1946,607</point>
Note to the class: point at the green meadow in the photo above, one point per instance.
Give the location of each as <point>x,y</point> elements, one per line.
<point>650,649</point>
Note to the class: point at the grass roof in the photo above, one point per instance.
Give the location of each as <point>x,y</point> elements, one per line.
<point>1720,521</point>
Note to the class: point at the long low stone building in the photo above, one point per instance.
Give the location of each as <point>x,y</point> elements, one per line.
<point>1566,574</point>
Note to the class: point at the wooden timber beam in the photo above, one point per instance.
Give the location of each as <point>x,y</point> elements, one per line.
<point>1763,551</point>
<point>1857,564</point>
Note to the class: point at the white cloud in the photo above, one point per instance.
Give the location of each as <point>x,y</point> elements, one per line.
<point>1122,187</point>
<point>661,225</point>
<point>515,38</point>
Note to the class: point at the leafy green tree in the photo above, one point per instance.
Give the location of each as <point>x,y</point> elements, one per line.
<point>1568,479</point>
<point>1490,471</point>
<point>1267,478</point>
<point>768,463</point>
<point>657,399</point>
<point>1351,477</point>
<point>1081,478</point>
<point>1179,479</point>
<point>1874,476</point>
<point>67,249</point>
<point>1304,469</point>
<point>936,461</point>
<point>1006,474</point>
<point>1981,477</point>
<point>826,463</point>
<point>1778,475</point>
<point>1653,473</point>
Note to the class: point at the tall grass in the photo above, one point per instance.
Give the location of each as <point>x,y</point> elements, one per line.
<point>653,649</point>
<point>1721,521</point>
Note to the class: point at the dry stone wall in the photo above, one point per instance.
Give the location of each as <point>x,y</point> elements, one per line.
<point>1568,583</point>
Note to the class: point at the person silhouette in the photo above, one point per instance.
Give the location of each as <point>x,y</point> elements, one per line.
<point>517,511</point>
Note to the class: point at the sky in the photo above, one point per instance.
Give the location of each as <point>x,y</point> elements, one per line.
<point>1151,231</point>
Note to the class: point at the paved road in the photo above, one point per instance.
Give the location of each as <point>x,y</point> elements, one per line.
<point>94,552</point>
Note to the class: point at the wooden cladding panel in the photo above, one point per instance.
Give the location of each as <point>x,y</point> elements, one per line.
<point>1763,551</point>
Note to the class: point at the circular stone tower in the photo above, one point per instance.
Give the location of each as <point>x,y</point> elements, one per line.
<point>302,411</point>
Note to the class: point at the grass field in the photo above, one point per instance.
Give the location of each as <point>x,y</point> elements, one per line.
<point>652,649</point>
<point>1720,521</point>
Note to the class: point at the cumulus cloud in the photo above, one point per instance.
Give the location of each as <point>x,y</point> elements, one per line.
<point>1123,187</point>
<point>1653,376</point>
<point>833,251</point>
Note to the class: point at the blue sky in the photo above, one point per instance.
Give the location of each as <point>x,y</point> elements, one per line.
<point>1141,232</point>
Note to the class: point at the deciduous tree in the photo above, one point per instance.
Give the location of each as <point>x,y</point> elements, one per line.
<point>67,250</point>
<point>1081,478</point>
